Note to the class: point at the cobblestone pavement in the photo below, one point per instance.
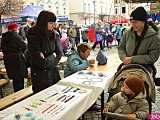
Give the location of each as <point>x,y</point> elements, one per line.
<point>97,115</point>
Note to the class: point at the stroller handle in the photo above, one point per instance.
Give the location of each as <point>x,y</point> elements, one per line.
<point>117,116</point>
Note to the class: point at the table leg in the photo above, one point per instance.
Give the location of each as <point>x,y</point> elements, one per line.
<point>102,105</point>
<point>83,117</point>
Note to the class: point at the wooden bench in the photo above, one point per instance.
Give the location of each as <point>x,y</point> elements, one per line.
<point>15,97</point>
<point>2,83</point>
<point>5,73</point>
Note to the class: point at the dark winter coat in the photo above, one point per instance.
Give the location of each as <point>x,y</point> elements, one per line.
<point>13,47</point>
<point>44,71</point>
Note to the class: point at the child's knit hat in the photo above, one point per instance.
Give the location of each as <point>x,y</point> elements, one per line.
<point>135,83</point>
<point>101,58</point>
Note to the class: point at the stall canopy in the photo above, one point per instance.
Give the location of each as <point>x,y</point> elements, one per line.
<point>28,12</point>
<point>62,19</point>
<point>119,19</point>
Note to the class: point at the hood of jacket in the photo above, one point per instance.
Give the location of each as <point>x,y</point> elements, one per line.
<point>8,36</point>
<point>71,52</point>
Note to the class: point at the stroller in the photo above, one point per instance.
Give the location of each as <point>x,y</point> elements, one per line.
<point>124,71</point>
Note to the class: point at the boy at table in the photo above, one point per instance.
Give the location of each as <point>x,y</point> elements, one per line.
<point>77,61</point>
<point>130,101</point>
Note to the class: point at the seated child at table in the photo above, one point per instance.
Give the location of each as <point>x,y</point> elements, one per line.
<point>77,61</point>
<point>130,101</point>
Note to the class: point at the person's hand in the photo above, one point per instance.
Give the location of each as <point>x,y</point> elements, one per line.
<point>131,116</point>
<point>91,65</point>
<point>127,60</point>
<point>105,110</point>
<point>92,61</point>
<point>41,55</point>
<point>54,54</point>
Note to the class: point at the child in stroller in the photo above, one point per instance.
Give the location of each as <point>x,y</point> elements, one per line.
<point>120,77</point>
<point>130,100</point>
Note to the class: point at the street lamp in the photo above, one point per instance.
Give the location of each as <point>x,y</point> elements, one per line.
<point>94,10</point>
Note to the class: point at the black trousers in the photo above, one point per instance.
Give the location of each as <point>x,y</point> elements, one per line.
<point>94,45</point>
<point>18,84</point>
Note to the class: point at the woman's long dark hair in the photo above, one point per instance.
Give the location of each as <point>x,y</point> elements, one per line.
<point>41,27</point>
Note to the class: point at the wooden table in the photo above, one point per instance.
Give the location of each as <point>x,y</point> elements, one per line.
<point>61,100</point>
<point>112,65</point>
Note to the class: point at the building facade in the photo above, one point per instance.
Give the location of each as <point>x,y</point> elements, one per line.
<point>83,12</point>
<point>86,12</point>
<point>59,7</point>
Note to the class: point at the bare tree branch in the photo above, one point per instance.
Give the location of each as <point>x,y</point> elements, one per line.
<point>9,8</point>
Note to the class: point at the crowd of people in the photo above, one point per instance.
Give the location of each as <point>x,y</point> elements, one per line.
<point>46,42</point>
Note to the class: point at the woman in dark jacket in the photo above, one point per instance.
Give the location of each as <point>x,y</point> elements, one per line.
<point>13,47</point>
<point>45,51</point>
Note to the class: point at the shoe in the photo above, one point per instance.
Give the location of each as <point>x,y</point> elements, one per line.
<point>95,108</point>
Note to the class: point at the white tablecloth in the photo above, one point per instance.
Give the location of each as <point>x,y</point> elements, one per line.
<point>84,89</point>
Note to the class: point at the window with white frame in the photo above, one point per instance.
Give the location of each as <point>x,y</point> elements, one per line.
<point>101,9</point>
<point>64,11</point>
<point>116,11</point>
<point>85,9</point>
<point>89,9</point>
<point>32,3</point>
<point>49,7</point>
<point>41,5</point>
<point>105,10</point>
<point>57,10</point>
